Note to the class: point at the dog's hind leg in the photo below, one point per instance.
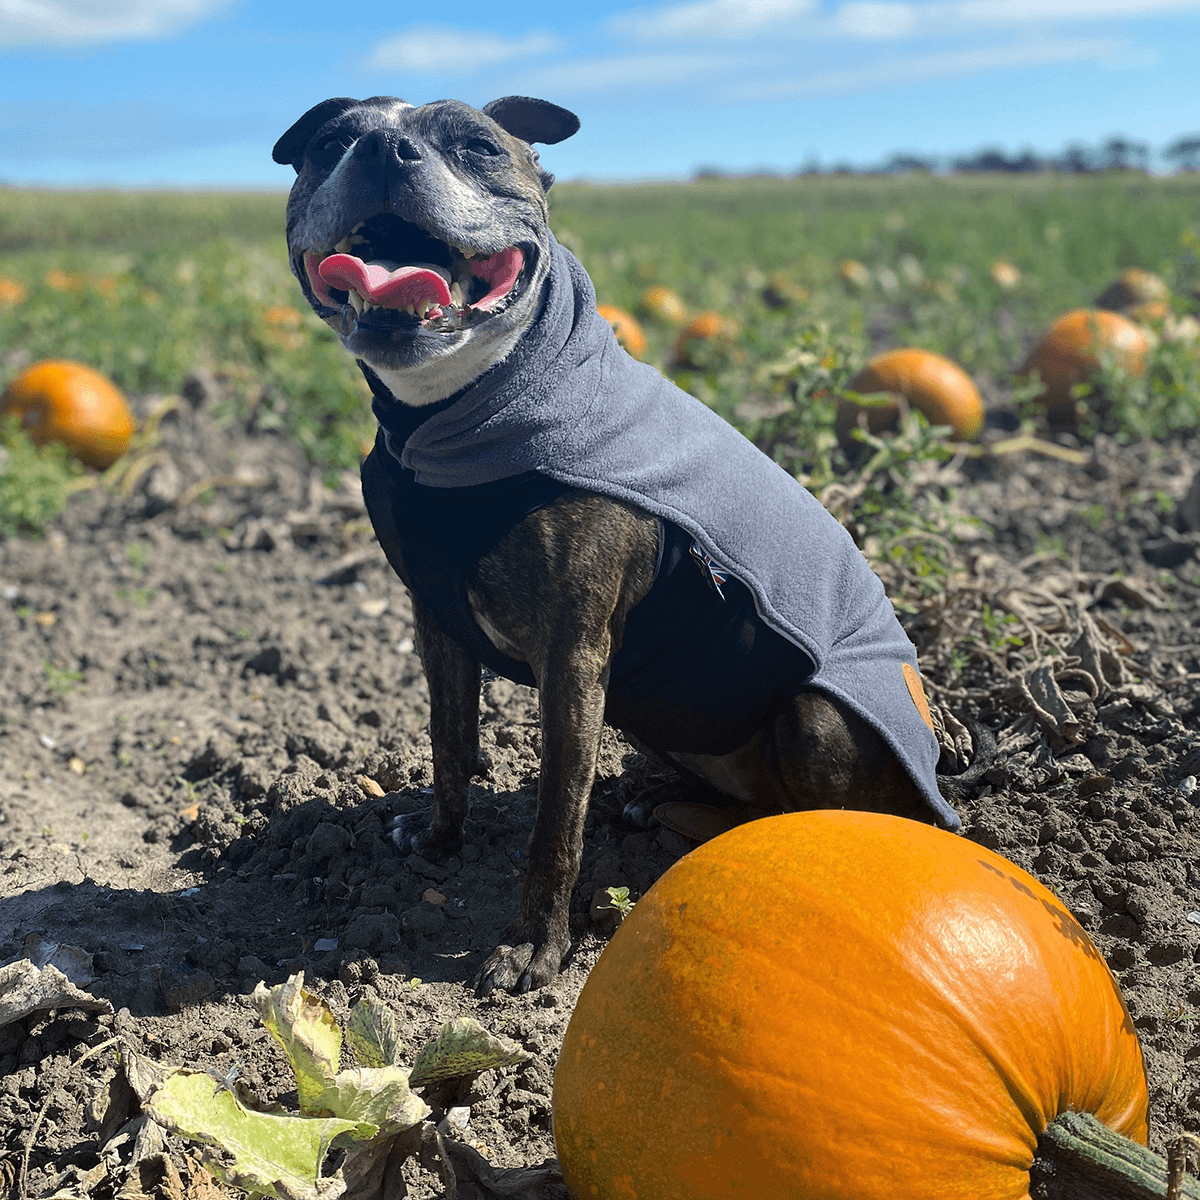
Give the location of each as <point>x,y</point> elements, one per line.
<point>814,753</point>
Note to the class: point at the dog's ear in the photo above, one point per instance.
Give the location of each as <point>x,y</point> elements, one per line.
<point>289,150</point>
<point>532,120</point>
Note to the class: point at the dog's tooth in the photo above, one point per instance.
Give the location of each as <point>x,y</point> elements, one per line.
<point>343,247</point>
<point>357,301</point>
<point>456,295</point>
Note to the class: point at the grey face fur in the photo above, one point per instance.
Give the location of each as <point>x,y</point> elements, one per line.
<point>382,187</point>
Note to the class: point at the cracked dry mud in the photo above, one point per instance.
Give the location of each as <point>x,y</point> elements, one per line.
<point>210,707</point>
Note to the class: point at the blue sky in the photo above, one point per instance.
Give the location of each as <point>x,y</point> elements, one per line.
<point>195,92</point>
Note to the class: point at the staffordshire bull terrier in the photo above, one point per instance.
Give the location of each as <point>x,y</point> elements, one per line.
<point>568,518</point>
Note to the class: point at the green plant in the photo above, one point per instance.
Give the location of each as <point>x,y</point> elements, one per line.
<point>998,628</point>
<point>60,680</point>
<point>620,901</point>
<point>361,1110</point>
<point>35,482</point>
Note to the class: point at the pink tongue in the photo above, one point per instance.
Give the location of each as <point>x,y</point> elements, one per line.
<point>501,271</point>
<point>389,289</point>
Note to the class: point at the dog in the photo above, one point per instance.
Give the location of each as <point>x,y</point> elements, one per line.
<point>566,517</point>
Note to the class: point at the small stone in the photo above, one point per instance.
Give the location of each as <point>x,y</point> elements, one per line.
<point>368,786</point>
<point>373,608</point>
<point>1194,918</point>
<point>1187,785</point>
<point>431,896</point>
<point>77,765</point>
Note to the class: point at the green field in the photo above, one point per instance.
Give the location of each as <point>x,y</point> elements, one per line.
<point>148,286</point>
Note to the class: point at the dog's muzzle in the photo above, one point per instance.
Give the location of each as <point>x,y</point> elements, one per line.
<point>389,271</point>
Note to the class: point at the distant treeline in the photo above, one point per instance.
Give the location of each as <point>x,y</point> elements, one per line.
<point>1114,154</point>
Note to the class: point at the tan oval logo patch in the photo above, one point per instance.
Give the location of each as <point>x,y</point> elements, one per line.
<point>917,692</point>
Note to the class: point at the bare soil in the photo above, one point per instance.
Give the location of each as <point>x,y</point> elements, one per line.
<point>210,707</point>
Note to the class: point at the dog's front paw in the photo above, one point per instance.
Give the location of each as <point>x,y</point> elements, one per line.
<point>413,833</point>
<point>519,969</point>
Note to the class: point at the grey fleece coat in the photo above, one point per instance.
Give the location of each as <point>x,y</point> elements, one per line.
<point>571,404</point>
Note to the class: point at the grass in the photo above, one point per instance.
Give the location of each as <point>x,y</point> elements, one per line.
<point>147,287</point>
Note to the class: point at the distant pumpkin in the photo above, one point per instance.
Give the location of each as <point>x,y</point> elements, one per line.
<point>12,291</point>
<point>1137,294</point>
<point>629,332</point>
<point>1005,275</point>
<point>782,292</point>
<point>707,329</point>
<point>60,401</point>
<point>1070,352</point>
<point>931,384</point>
<point>660,303</point>
<point>854,273</point>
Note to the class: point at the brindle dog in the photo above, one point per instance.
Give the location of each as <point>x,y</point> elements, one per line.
<point>420,235</point>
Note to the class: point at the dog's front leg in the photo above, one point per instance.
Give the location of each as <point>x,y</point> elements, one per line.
<point>453,677</point>
<point>572,695</point>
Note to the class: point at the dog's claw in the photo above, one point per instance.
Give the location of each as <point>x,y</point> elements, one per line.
<point>410,833</point>
<point>518,969</point>
<point>638,815</point>
<point>505,970</point>
<point>405,829</point>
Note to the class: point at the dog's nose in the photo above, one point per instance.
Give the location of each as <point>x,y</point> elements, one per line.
<point>388,143</point>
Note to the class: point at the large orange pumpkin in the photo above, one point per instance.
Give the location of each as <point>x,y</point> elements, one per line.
<point>839,1005</point>
<point>933,385</point>
<point>629,333</point>
<point>1071,350</point>
<point>61,401</point>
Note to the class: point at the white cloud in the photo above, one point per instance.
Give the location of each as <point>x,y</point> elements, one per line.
<point>1024,12</point>
<point>88,22</point>
<point>875,20</point>
<point>742,20</point>
<point>631,73</point>
<point>709,19</point>
<point>871,76</point>
<point>432,50</point>
<point>897,19</point>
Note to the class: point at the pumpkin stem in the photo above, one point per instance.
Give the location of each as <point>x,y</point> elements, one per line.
<point>1078,1158</point>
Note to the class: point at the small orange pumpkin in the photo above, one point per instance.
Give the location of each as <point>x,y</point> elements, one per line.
<point>660,303</point>
<point>1070,351</point>
<point>783,292</point>
<point>12,291</point>
<point>854,273</point>
<point>707,329</point>
<point>1005,275</point>
<point>841,1005</point>
<point>61,401</point>
<point>629,333</point>
<point>933,385</point>
<point>1138,294</point>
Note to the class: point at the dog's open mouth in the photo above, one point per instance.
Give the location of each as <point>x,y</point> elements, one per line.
<point>391,270</point>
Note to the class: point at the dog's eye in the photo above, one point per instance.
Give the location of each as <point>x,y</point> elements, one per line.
<point>481,146</point>
<point>332,143</point>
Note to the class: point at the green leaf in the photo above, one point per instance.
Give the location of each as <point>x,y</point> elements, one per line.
<point>375,1096</point>
<point>463,1047</point>
<point>267,1154</point>
<point>372,1034</point>
<point>304,1026</point>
